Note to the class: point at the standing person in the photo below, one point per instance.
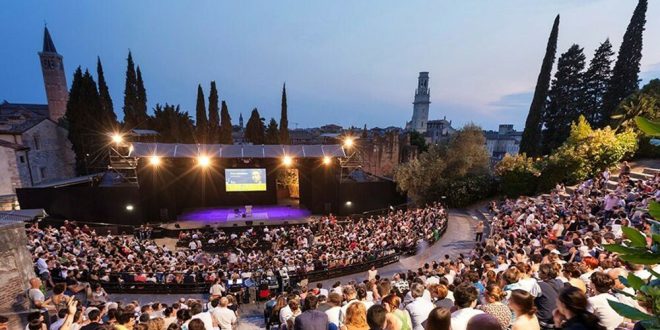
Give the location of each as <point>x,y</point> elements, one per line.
<point>522,304</point>
<point>465,298</point>
<point>572,313</point>
<point>225,317</point>
<point>420,307</point>
<point>479,230</point>
<point>311,318</point>
<point>217,289</point>
<point>371,273</point>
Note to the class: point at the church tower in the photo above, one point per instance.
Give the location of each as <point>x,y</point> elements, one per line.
<point>420,116</point>
<point>52,68</point>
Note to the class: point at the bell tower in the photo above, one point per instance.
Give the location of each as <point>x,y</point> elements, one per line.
<point>421,104</point>
<point>52,68</point>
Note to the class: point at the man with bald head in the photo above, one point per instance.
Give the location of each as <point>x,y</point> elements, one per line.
<point>483,322</point>
<point>225,317</point>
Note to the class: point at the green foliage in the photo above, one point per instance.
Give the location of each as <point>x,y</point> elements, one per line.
<point>254,129</point>
<point>625,75</point>
<point>110,118</point>
<point>519,175</point>
<point>284,121</point>
<point>272,132</point>
<point>214,116</point>
<point>645,103</point>
<point>225,125</point>
<point>566,99</point>
<point>417,139</point>
<point>457,170</point>
<point>201,123</point>
<point>130,94</point>
<point>531,137</point>
<point>140,101</point>
<point>173,125</point>
<point>597,81</point>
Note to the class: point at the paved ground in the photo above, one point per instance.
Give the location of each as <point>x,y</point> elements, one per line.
<point>459,238</point>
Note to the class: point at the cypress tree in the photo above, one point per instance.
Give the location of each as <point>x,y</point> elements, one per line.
<point>284,120</point>
<point>225,125</point>
<point>272,132</point>
<point>532,135</point>
<point>596,82</point>
<point>130,94</point>
<point>109,116</point>
<point>214,116</point>
<point>201,122</point>
<point>174,125</point>
<point>141,102</point>
<point>566,98</point>
<point>254,129</point>
<point>625,75</point>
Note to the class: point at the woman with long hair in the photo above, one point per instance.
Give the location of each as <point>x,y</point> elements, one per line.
<point>521,303</point>
<point>493,297</point>
<point>356,317</point>
<point>397,319</point>
<point>572,313</point>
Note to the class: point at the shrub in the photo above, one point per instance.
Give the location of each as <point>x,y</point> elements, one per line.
<point>519,175</point>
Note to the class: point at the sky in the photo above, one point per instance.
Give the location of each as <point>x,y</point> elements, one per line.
<point>344,62</point>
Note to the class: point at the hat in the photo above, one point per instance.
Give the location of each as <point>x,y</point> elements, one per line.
<point>555,251</point>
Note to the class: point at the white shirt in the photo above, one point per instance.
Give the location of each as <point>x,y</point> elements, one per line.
<point>598,306</point>
<point>461,317</point>
<point>333,315</point>
<point>225,317</point>
<point>285,314</point>
<point>206,318</point>
<point>419,311</point>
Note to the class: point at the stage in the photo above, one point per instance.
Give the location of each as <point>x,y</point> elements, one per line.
<point>262,215</point>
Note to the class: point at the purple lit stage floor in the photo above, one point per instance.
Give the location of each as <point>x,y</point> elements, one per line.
<point>261,215</point>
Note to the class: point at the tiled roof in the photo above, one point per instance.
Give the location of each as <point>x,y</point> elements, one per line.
<point>16,118</point>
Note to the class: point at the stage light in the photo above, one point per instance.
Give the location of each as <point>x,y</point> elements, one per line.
<point>287,161</point>
<point>348,142</point>
<point>154,160</point>
<point>204,161</point>
<point>117,138</point>
<point>327,160</point>
<point>349,203</point>
<point>129,207</point>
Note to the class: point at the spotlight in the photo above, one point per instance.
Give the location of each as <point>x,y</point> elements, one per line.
<point>117,138</point>
<point>129,207</point>
<point>154,160</point>
<point>287,161</point>
<point>327,160</point>
<point>204,161</point>
<point>349,203</point>
<point>348,142</point>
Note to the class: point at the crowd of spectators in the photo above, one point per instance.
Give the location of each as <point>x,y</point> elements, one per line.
<point>74,254</point>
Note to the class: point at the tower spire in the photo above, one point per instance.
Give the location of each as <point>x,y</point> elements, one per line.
<point>49,46</point>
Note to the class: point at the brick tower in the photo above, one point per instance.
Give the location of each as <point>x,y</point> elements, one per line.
<point>52,68</point>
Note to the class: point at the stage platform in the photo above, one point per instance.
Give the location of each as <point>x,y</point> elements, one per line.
<point>262,215</point>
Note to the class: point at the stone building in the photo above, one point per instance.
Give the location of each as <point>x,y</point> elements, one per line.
<point>381,153</point>
<point>434,131</point>
<point>34,149</point>
<point>504,141</point>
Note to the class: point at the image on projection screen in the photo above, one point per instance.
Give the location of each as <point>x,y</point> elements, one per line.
<point>245,179</point>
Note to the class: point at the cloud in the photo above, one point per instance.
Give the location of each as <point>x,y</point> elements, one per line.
<point>515,100</point>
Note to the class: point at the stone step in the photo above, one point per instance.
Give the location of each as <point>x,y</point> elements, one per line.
<point>641,176</point>
<point>612,184</point>
<point>571,189</point>
<point>651,171</point>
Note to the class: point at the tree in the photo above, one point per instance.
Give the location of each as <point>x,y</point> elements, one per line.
<point>458,170</point>
<point>225,125</point>
<point>84,118</point>
<point>417,139</point>
<point>645,103</point>
<point>254,129</point>
<point>272,132</point>
<point>284,120</point>
<point>141,102</point>
<point>625,75</point>
<point>130,94</point>
<point>214,117</point>
<point>109,117</point>
<point>173,125</point>
<point>201,123</point>
<point>566,98</point>
<point>596,82</point>
<point>532,135</point>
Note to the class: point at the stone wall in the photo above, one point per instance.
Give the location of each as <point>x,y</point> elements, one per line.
<point>53,154</point>
<point>380,154</point>
<point>16,269</point>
